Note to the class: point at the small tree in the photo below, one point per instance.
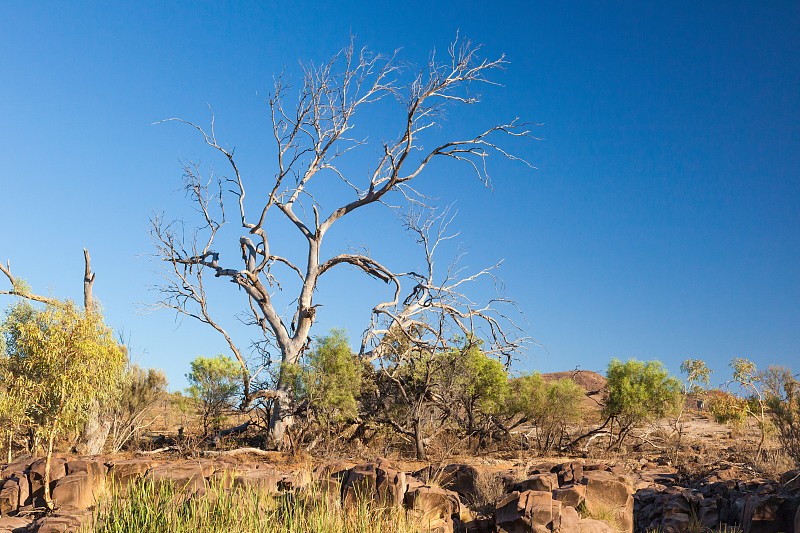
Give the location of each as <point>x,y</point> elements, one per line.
<point>477,389</point>
<point>215,383</point>
<point>549,407</point>
<point>327,382</point>
<point>696,383</point>
<point>746,375</point>
<point>59,362</point>
<point>408,380</point>
<point>638,392</point>
<point>697,376</point>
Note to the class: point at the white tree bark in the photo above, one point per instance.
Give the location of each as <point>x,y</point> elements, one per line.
<point>312,140</point>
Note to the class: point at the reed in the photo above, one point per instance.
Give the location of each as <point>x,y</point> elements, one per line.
<point>146,508</point>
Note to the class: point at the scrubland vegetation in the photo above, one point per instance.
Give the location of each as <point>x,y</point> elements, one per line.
<point>58,361</point>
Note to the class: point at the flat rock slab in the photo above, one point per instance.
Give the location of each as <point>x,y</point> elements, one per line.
<point>185,477</point>
<point>123,472</point>
<point>13,524</point>
<point>62,523</point>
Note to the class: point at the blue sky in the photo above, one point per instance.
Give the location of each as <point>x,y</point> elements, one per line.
<point>662,220</point>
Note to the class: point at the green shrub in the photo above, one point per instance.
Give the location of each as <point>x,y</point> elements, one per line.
<point>638,392</point>
<point>215,383</point>
<point>550,407</point>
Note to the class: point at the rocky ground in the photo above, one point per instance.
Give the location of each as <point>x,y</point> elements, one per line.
<point>507,496</point>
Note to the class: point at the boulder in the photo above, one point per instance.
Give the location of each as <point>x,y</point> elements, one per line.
<point>36,477</point>
<point>708,512</point>
<point>298,479</point>
<point>675,523</point>
<point>17,467</point>
<point>62,522</point>
<point>123,472</point>
<point>768,513</point>
<point>797,521</point>
<point>479,525</point>
<point>568,473</point>
<point>538,482</point>
<point>461,478</point>
<point>265,480</point>
<point>589,525</point>
<point>359,485</point>
<point>187,477</point>
<point>336,469</point>
<point>79,490</point>
<point>96,469</point>
<point>571,495</point>
<point>13,494</point>
<point>607,492</point>
<point>433,508</point>
<point>790,481</point>
<point>527,511</point>
<point>378,482</point>
<point>568,520</point>
<point>13,524</point>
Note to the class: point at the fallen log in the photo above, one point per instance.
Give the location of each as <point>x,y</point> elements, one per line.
<point>238,451</point>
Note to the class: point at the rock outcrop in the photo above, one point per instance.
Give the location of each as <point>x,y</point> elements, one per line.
<point>560,498</point>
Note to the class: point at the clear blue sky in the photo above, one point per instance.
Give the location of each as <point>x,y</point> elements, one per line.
<point>663,220</point>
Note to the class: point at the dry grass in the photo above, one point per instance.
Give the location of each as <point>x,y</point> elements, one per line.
<point>774,462</point>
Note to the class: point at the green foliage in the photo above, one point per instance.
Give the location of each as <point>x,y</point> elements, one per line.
<point>549,406</point>
<point>471,387</point>
<point>58,362</point>
<point>329,380</point>
<point>142,507</point>
<point>482,381</point>
<point>20,287</point>
<point>744,371</point>
<point>698,376</point>
<point>215,382</point>
<point>638,392</point>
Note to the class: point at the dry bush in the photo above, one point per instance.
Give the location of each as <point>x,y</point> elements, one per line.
<point>489,488</point>
<point>773,462</point>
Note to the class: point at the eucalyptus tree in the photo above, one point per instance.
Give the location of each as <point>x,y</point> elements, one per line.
<point>59,362</point>
<point>317,144</point>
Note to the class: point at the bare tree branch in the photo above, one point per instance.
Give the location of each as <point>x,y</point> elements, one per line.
<point>315,137</point>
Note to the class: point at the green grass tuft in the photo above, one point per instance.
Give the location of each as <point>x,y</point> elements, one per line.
<point>146,508</point>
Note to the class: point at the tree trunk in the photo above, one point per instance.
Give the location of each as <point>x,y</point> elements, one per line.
<point>95,432</point>
<point>48,498</point>
<point>281,418</point>
<point>418,442</point>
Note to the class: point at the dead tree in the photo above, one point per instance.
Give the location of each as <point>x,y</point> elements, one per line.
<point>314,139</point>
<point>20,289</point>
<point>414,342</point>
